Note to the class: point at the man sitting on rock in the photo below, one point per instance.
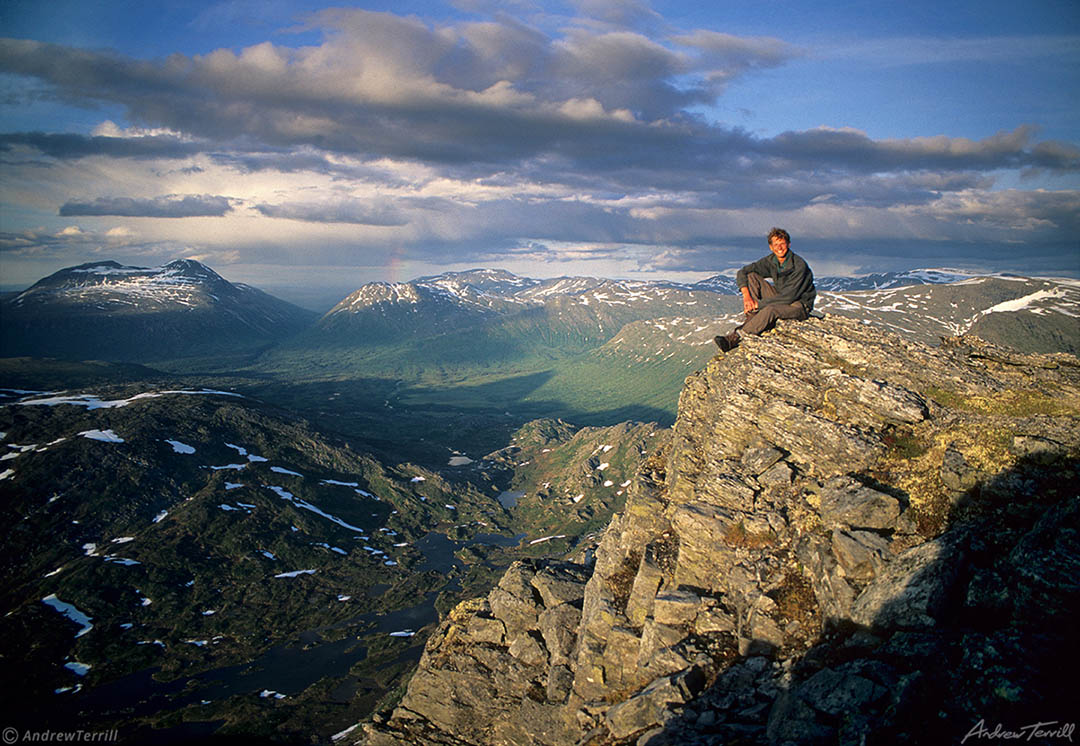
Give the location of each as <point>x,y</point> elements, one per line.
<point>790,295</point>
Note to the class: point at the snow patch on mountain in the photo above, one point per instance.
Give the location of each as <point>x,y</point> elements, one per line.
<point>179,447</point>
<point>300,503</point>
<point>71,612</point>
<point>92,401</point>
<point>1062,299</point>
<point>105,436</point>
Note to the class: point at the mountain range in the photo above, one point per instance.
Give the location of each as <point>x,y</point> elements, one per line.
<point>184,309</point>
<point>1027,314</point>
<point>461,359</point>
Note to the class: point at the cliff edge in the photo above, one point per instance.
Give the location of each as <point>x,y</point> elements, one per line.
<point>847,538</point>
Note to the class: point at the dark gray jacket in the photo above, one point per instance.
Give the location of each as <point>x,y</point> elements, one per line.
<point>793,279</point>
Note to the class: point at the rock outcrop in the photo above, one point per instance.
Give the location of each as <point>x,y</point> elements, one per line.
<point>848,538</point>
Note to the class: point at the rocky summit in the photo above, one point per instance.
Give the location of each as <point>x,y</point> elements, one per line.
<point>847,538</point>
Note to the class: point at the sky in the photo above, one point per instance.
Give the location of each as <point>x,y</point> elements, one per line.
<point>307,148</point>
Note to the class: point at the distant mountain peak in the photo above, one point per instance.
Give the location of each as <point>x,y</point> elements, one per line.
<point>485,272</point>
<point>109,270</point>
<point>191,267</point>
<point>105,266</point>
<point>109,310</point>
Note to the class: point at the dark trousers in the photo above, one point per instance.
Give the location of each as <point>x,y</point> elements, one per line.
<point>765,317</point>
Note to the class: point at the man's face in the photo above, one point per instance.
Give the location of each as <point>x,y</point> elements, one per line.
<point>779,247</point>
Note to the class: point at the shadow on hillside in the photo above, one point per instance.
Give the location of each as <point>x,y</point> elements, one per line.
<point>41,374</point>
<point>973,630</point>
<point>425,424</point>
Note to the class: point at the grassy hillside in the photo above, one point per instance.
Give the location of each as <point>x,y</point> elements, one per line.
<point>469,389</point>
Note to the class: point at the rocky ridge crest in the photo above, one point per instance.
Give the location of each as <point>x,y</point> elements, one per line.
<point>847,536</point>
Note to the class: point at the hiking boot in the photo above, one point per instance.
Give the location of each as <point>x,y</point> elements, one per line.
<point>728,342</point>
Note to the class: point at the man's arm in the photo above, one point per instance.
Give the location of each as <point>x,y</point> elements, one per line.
<point>748,303</point>
<point>761,267</point>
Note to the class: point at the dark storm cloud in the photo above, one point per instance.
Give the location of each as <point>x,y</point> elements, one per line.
<point>169,206</point>
<point>298,161</point>
<point>854,151</point>
<point>359,212</point>
<point>65,145</point>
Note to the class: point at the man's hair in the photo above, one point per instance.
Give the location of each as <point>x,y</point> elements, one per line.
<point>779,233</point>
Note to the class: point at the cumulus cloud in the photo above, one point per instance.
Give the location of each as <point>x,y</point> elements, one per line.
<point>383,83</point>
<point>1013,211</point>
<point>542,138</point>
<point>483,95</point>
<point>168,206</point>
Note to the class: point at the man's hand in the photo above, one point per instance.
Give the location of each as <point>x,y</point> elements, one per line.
<point>749,305</point>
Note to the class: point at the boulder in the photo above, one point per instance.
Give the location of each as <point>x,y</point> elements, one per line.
<point>1044,569</point>
<point>519,615</point>
<point>676,607</point>
<point>652,706</point>
<point>779,474</point>
<point>862,554</point>
<point>810,711</point>
<point>647,581</point>
<point>713,620</point>
<point>655,653</point>
<point>756,459</point>
<point>486,629</point>
<point>560,682</point>
<point>558,626</point>
<point>915,587</point>
<point>955,472</point>
<point>718,485</point>
<point>847,503</point>
<point>560,583</point>
<point>528,650</point>
<point>703,532</point>
<point>826,446</point>
<point>888,401</point>
<point>620,658</point>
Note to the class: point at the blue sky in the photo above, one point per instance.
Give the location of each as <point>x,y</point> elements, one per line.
<point>294,144</point>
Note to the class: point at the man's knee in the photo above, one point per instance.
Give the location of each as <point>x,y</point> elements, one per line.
<point>762,320</point>
<point>759,287</point>
<point>795,312</point>
<point>766,316</point>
